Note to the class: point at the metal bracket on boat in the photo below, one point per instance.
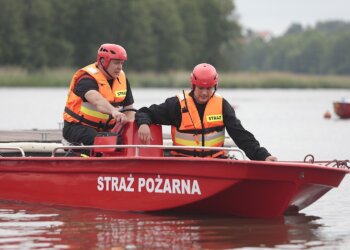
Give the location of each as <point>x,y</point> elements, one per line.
<point>309,158</point>
<point>137,147</point>
<point>231,153</point>
<point>13,149</point>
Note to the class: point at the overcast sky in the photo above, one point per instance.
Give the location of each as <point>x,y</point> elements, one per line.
<point>277,15</point>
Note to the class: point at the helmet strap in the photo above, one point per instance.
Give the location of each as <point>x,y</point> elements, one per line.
<point>105,70</point>
<point>213,92</point>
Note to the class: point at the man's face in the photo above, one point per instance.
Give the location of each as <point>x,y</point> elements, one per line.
<point>114,67</point>
<point>202,94</point>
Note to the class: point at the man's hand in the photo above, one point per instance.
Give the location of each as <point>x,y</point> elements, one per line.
<point>119,117</point>
<point>144,134</point>
<point>271,158</point>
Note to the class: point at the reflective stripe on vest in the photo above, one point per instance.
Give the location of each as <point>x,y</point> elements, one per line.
<point>86,113</point>
<point>88,109</point>
<point>210,140</point>
<point>210,134</point>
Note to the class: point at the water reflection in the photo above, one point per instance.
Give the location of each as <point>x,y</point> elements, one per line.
<point>42,227</point>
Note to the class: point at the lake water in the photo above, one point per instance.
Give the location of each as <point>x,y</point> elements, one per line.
<point>289,123</point>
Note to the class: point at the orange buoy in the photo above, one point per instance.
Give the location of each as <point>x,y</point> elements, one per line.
<point>327,115</point>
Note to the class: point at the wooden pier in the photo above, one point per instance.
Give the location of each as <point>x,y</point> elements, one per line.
<point>54,135</point>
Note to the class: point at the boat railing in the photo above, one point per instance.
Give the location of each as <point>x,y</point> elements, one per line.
<point>13,149</point>
<point>230,150</point>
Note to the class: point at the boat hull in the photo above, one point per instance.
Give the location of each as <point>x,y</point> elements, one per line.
<point>188,185</point>
<point>342,109</point>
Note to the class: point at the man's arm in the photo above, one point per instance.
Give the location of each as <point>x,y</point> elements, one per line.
<point>130,115</point>
<point>102,105</point>
<point>242,137</point>
<point>167,113</point>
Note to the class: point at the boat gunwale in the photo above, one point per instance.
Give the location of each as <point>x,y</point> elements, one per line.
<point>278,164</point>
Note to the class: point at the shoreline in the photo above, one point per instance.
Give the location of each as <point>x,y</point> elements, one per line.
<point>61,77</point>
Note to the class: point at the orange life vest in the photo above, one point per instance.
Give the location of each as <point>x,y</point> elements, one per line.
<point>194,132</point>
<point>77,110</point>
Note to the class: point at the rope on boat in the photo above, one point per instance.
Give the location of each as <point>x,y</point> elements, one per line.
<point>334,163</point>
<point>339,164</point>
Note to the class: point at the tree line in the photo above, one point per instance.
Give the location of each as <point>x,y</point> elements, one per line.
<point>162,35</point>
<point>323,49</point>
<point>159,35</point>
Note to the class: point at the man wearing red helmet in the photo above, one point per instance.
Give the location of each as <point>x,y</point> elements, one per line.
<point>97,93</point>
<point>199,118</point>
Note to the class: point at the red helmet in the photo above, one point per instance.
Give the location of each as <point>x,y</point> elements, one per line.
<point>204,75</point>
<point>110,51</point>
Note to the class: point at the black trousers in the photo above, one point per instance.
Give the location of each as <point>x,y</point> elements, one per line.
<point>76,133</point>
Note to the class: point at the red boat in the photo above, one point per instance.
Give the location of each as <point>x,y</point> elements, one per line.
<point>144,178</point>
<point>342,109</point>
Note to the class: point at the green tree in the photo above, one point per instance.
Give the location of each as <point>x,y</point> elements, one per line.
<point>219,29</point>
<point>312,53</point>
<point>320,50</point>
<point>92,23</point>
<point>253,57</point>
<point>294,29</point>
<point>59,48</point>
<point>157,34</point>
<point>12,33</point>
<point>333,27</point>
<point>37,24</point>
<point>167,29</point>
<point>135,32</point>
<point>193,31</point>
<point>340,55</point>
